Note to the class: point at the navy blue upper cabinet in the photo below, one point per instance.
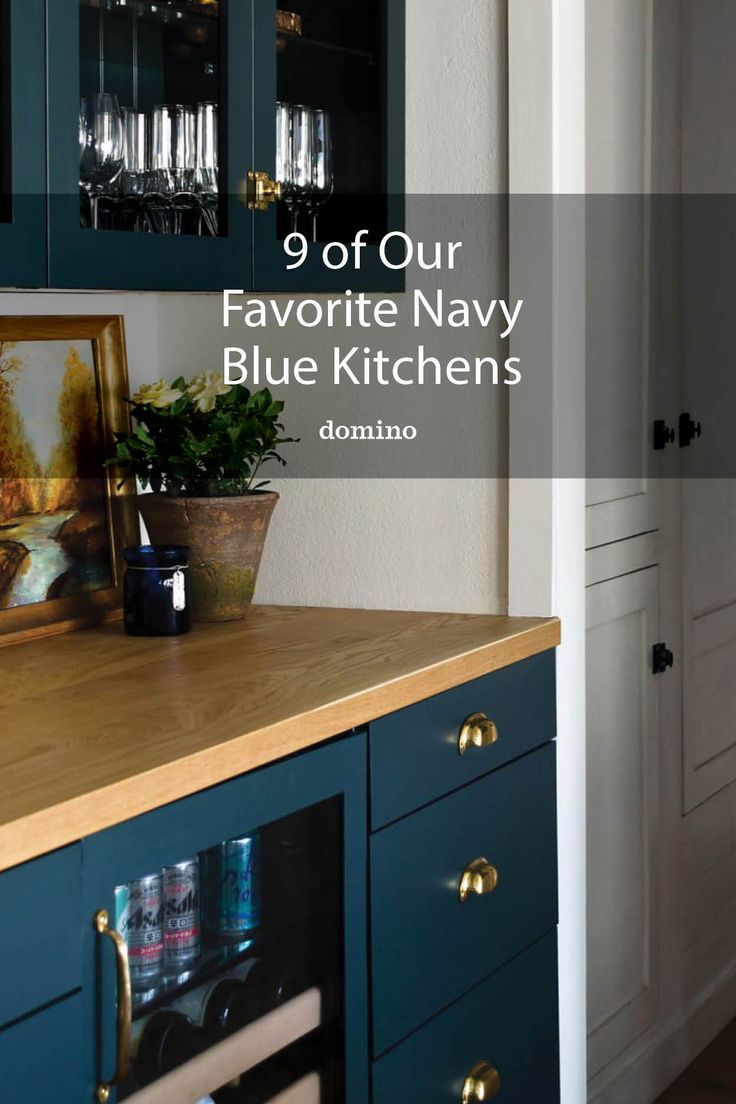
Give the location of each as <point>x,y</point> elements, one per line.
<point>150,111</point>
<point>22,144</point>
<point>172,127</point>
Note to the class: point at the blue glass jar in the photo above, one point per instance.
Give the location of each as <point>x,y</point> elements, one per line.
<point>155,591</point>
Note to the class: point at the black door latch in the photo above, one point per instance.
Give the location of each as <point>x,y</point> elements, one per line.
<point>689,429</point>
<point>664,435</point>
<point>662,659</point>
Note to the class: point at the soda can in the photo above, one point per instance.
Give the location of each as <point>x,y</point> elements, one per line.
<point>139,916</point>
<point>181,913</point>
<point>237,884</point>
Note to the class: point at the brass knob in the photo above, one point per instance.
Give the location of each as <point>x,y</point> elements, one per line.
<point>478,879</point>
<point>482,1083</point>
<point>477,731</point>
<point>262,191</point>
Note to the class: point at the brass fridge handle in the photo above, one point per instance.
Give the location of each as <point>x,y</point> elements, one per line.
<point>478,878</point>
<point>482,1083</point>
<point>477,731</point>
<point>125,1004</point>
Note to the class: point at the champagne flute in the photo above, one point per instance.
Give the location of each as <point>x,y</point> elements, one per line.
<point>207,172</point>
<point>323,179</point>
<point>174,158</point>
<point>101,159</point>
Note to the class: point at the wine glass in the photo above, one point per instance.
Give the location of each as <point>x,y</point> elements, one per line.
<point>207,171</point>
<point>297,164</point>
<point>323,179</point>
<point>101,148</point>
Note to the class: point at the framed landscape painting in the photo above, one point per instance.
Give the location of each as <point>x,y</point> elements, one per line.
<point>64,521</point>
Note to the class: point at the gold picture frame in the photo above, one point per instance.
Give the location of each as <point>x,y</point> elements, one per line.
<point>79,582</point>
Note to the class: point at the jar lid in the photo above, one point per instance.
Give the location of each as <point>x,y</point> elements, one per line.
<point>161,555</point>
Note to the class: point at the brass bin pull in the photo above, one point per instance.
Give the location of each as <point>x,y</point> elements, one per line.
<point>482,1083</point>
<point>478,879</point>
<point>125,1005</point>
<point>477,731</point>
<point>261,191</point>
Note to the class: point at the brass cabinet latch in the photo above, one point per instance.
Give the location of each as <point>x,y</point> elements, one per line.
<point>262,191</point>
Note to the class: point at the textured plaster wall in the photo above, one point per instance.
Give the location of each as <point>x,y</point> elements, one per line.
<point>412,544</point>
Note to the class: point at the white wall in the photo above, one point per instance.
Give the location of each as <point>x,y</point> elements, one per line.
<point>438,544</point>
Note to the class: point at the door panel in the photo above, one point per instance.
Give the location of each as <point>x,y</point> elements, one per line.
<point>351,64</point>
<point>623,803</point>
<point>161,228</point>
<point>22,143</point>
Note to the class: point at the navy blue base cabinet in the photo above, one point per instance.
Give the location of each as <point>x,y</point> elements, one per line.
<point>174,145</point>
<point>373,920</point>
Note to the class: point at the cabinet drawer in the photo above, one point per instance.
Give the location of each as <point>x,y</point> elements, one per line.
<point>414,752</point>
<point>428,947</point>
<point>40,932</point>
<point>510,1022</point>
<point>42,1059</point>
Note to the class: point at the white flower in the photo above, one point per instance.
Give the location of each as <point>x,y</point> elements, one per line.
<point>158,394</point>
<point>203,391</point>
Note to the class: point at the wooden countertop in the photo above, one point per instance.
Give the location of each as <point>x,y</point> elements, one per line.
<point>97,727</point>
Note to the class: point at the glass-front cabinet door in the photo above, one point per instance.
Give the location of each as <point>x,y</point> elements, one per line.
<point>22,144</point>
<point>228,915</point>
<point>329,126</point>
<point>150,130</point>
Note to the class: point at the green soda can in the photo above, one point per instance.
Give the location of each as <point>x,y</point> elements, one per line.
<point>237,885</point>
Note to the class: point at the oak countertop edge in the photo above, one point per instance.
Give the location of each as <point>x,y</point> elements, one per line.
<point>47,827</point>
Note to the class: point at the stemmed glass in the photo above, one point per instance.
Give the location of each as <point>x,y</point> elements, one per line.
<point>323,179</point>
<point>135,178</point>
<point>174,160</point>
<point>294,156</point>
<point>207,172</point>
<point>101,148</point>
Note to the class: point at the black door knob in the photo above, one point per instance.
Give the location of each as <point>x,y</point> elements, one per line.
<point>689,429</point>
<point>664,435</point>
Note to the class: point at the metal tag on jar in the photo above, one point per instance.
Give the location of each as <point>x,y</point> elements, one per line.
<point>179,591</point>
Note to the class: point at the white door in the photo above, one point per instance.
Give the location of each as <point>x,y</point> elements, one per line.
<point>623,813</point>
<point>709,504</point>
<point>618,175</point>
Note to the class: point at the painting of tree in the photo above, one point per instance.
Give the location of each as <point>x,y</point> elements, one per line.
<point>53,522</point>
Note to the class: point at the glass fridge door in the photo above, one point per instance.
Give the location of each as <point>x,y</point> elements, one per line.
<point>234,956</point>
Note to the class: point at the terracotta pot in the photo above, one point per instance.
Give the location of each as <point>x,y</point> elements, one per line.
<point>226,537</point>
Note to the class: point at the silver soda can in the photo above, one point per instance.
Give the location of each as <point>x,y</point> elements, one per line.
<point>182,929</point>
<point>237,871</point>
<point>139,919</point>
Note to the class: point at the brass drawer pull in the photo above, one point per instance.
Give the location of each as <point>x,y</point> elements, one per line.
<point>477,731</point>
<point>125,1004</point>
<point>478,879</point>
<point>482,1083</point>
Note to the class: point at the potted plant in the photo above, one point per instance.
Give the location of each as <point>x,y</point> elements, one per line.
<point>199,446</point>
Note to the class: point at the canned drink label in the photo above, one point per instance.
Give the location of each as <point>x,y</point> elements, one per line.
<point>240,890</point>
<point>139,919</point>
<point>181,912</point>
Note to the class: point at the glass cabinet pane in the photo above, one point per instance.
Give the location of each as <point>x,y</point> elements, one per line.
<point>235,961</point>
<point>150,114</point>
<point>6,148</point>
<point>329,119</point>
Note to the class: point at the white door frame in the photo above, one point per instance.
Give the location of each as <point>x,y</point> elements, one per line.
<point>547,516</point>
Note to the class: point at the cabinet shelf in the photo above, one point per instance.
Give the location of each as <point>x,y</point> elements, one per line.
<point>293,44</point>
